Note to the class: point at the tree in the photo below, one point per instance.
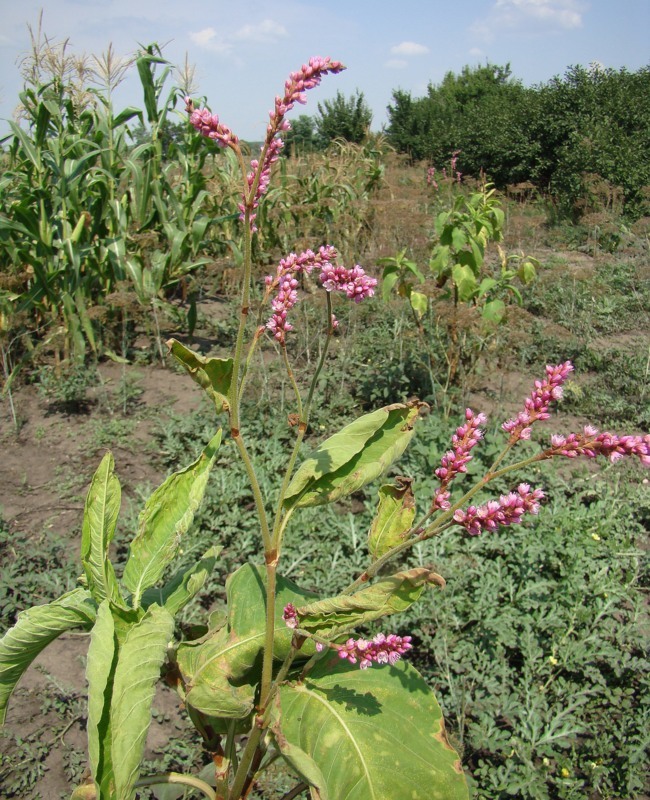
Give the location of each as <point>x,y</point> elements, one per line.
<point>343,118</point>
<point>301,138</point>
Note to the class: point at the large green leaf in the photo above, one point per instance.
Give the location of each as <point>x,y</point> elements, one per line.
<point>100,671</point>
<point>353,457</point>
<point>394,517</point>
<point>185,585</point>
<point>374,734</point>
<point>214,375</point>
<point>211,669</point>
<point>100,518</point>
<point>246,591</point>
<point>216,667</point>
<point>167,515</point>
<point>390,595</point>
<point>134,684</point>
<point>34,630</point>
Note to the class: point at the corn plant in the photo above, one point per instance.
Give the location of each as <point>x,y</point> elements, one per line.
<point>77,201</point>
<point>280,673</point>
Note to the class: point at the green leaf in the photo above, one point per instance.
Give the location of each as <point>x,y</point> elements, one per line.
<point>209,667</point>
<point>215,667</point>
<point>394,517</point>
<point>527,271</point>
<point>100,518</point>
<point>458,238</point>
<point>374,734</point>
<point>246,593</point>
<point>412,267</point>
<point>494,312</point>
<point>124,116</point>
<point>388,281</point>
<point>100,670</point>
<point>212,374</point>
<point>465,281</point>
<point>167,515</point>
<point>486,285</point>
<point>136,675</point>
<point>440,260</point>
<point>390,595</point>
<point>419,303</point>
<point>35,628</point>
<point>184,586</point>
<point>353,457</point>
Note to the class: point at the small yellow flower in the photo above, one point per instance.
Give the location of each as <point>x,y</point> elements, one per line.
<point>545,762</point>
<point>595,537</point>
<point>552,660</point>
<point>565,772</point>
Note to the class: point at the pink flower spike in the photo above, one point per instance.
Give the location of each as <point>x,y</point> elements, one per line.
<point>354,282</point>
<point>507,510</point>
<point>455,461</point>
<point>208,125</point>
<point>286,285</point>
<point>381,650</point>
<point>591,444</point>
<point>537,404</point>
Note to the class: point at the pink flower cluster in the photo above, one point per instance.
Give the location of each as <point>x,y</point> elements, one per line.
<point>272,155</point>
<point>536,406</point>
<point>286,284</point>
<point>209,125</point>
<point>290,616</point>
<point>507,510</point>
<point>382,649</point>
<point>591,443</point>
<point>354,282</point>
<point>455,461</point>
<point>307,77</point>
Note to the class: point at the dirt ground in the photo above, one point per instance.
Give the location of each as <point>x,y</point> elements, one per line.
<point>44,473</point>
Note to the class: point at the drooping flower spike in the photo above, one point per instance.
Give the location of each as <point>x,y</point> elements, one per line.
<point>382,649</point>
<point>299,82</point>
<point>455,461</point>
<point>353,282</point>
<point>507,510</point>
<point>510,508</point>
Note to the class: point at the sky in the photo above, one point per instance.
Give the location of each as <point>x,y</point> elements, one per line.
<point>243,51</point>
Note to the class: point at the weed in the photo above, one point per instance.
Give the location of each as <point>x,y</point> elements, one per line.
<point>66,389</point>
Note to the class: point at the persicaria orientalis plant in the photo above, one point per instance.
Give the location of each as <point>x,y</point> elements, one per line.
<point>283,674</point>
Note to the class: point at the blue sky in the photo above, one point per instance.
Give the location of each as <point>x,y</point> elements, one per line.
<point>244,51</point>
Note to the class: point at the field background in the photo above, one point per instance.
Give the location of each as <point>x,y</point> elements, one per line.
<point>537,646</point>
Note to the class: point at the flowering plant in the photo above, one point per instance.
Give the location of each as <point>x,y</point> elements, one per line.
<point>281,674</point>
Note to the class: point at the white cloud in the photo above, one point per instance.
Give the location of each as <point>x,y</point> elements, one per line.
<point>530,16</point>
<point>396,63</point>
<point>409,49</point>
<point>265,32</point>
<point>208,40</point>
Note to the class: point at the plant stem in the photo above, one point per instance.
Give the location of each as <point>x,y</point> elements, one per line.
<point>304,411</point>
<point>177,777</point>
